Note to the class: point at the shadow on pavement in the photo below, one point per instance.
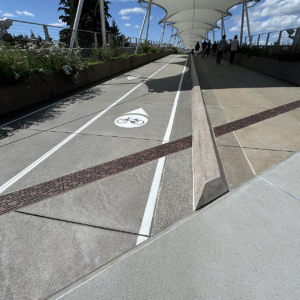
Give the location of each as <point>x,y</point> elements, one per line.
<point>46,114</point>
<point>225,76</point>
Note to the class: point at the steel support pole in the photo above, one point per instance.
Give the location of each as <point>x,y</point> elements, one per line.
<point>149,16</point>
<point>258,40</point>
<point>142,29</point>
<point>75,26</point>
<point>214,35</point>
<point>47,37</point>
<point>103,28</point>
<point>174,41</point>
<point>267,41</point>
<point>279,38</point>
<point>162,35</point>
<point>248,25</point>
<point>221,26</point>
<point>242,23</point>
<point>95,39</point>
<point>169,40</point>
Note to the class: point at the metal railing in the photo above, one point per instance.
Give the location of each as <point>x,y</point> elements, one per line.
<point>268,39</point>
<point>85,39</point>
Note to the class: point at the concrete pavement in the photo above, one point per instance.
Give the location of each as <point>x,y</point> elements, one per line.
<point>81,244</point>
<point>233,92</point>
<point>50,244</point>
<point>242,246</point>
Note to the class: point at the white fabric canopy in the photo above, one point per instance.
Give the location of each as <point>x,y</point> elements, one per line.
<point>194,18</point>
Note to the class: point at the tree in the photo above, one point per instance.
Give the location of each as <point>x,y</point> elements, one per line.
<point>116,38</point>
<point>90,15</point>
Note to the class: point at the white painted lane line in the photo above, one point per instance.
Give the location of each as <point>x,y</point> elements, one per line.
<point>38,161</point>
<point>150,207</point>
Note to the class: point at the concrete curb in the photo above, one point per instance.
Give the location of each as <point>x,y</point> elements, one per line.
<point>209,178</point>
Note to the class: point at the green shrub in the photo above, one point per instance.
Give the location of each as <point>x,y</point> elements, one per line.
<point>19,62</point>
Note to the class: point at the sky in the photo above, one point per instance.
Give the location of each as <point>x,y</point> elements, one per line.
<point>265,16</point>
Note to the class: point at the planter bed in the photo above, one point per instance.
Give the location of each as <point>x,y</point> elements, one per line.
<point>42,87</point>
<point>287,71</point>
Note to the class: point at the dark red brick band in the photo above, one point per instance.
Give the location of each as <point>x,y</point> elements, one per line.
<point>245,122</point>
<point>63,184</point>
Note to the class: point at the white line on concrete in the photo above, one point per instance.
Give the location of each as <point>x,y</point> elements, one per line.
<point>254,173</point>
<point>45,156</point>
<point>150,207</point>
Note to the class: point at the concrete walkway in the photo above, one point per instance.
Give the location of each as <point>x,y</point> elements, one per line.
<point>243,246</point>
<point>233,92</point>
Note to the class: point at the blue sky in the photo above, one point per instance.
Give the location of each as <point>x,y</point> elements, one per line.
<point>267,15</point>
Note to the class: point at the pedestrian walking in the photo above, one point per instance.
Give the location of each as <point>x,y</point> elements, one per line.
<point>204,44</point>
<point>208,47</point>
<point>197,49</point>
<point>221,48</point>
<point>214,48</point>
<point>234,47</point>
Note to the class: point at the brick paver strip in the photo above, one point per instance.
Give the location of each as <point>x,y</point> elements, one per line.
<point>60,185</point>
<point>242,123</point>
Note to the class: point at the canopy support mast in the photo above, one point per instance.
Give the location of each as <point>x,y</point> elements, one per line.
<point>142,29</point>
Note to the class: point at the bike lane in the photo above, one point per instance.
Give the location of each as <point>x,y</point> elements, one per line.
<point>57,229</point>
<point>30,138</point>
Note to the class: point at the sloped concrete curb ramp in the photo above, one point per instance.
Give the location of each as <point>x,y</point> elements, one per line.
<point>245,245</point>
<point>209,178</point>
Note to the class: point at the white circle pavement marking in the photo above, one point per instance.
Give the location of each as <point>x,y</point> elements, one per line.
<point>131,121</point>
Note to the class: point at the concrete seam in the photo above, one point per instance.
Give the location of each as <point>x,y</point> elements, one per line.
<point>279,188</point>
<point>76,223</point>
<point>257,148</point>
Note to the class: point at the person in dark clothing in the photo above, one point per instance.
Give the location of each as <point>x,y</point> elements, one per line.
<point>208,47</point>
<point>214,48</point>
<point>197,49</point>
<point>204,45</point>
<point>221,48</point>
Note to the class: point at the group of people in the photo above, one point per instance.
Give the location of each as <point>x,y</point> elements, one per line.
<point>217,49</point>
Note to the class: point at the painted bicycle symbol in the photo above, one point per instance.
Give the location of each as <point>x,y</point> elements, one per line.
<point>135,121</point>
